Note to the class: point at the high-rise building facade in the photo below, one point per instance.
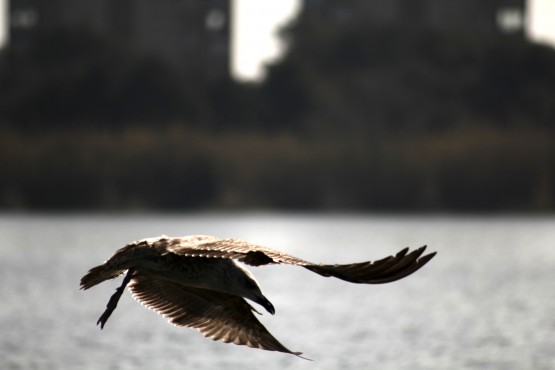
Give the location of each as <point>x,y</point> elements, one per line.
<point>484,17</point>
<point>189,35</point>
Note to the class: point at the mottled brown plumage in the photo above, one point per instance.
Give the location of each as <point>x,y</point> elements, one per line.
<point>194,281</point>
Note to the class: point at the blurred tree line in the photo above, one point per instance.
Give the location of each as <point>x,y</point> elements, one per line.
<point>353,117</point>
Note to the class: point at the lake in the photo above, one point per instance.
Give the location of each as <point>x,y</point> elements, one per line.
<point>486,301</point>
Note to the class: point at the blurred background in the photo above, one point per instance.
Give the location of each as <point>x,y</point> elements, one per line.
<point>388,123</point>
<point>429,105</point>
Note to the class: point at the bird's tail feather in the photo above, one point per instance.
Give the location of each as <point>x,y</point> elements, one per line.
<point>98,274</point>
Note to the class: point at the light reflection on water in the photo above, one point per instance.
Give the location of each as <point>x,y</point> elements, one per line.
<point>485,302</point>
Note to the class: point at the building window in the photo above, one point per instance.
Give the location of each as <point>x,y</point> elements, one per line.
<point>510,20</point>
<point>24,18</point>
<point>215,20</point>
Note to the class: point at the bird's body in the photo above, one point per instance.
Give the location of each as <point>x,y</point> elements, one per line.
<point>195,281</point>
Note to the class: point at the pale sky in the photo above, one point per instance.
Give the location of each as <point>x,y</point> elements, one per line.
<point>541,20</point>
<point>3,25</point>
<point>254,34</point>
<point>256,24</point>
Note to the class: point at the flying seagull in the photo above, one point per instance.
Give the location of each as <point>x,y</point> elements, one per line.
<point>195,281</point>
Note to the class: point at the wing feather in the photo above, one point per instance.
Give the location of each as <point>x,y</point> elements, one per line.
<point>218,316</point>
<point>206,246</point>
<point>381,271</point>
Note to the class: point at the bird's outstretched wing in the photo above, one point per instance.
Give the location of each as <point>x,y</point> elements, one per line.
<point>382,271</point>
<point>208,246</point>
<point>218,316</point>
<point>385,270</point>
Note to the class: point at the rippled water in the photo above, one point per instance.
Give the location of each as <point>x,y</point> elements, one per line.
<point>487,301</point>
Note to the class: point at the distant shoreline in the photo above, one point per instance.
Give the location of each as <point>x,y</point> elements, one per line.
<point>176,168</point>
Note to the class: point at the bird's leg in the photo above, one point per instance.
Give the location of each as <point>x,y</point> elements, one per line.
<point>113,302</point>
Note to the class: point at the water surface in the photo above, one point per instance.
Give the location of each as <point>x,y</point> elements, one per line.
<point>486,301</point>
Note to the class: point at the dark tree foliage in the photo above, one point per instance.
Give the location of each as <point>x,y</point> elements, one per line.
<point>401,80</point>
<point>516,84</point>
<point>353,76</point>
<point>354,115</point>
<point>71,77</point>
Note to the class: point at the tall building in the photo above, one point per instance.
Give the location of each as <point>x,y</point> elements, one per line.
<point>484,17</point>
<point>189,35</point>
